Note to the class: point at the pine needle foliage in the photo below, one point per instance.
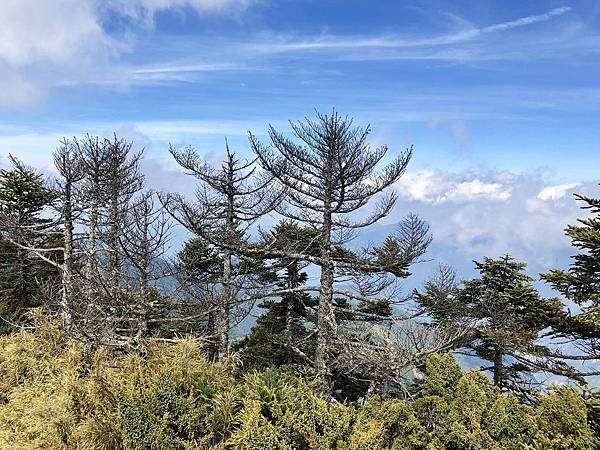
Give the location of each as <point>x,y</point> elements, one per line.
<point>23,198</point>
<point>580,283</point>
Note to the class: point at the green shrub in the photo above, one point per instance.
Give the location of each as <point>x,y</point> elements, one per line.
<point>174,398</point>
<point>443,374</point>
<point>562,421</point>
<point>509,423</point>
<point>387,424</point>
<point>256,432</point>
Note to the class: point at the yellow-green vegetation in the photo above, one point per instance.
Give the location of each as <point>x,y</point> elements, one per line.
<point>172,397</point>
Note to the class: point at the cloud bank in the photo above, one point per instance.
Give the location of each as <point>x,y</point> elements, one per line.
<point>492,213</point>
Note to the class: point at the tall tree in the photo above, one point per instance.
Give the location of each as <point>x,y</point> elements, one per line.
<point>111,178</point>
<point>23,198</point>
<point>67,189</point>
<point>229,200</point>
<point>93,154</point>
<point>328,176</point>
<point>580,284</point>
<point>507,314</point>
<point>123,181</point>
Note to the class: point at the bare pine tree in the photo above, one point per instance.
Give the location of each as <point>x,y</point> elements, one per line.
<point>329,174</point>
<point>123,181</point>
<point>90,174</point>
<point>228,201</point>
<point>388,355</point>
<point>70,171</point>
<point>144,242</point>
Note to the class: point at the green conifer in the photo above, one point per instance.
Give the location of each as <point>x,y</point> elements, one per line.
<point>23,197</point>
<point>284,333</point>
<point>581,282</point>
<point>507,314</point>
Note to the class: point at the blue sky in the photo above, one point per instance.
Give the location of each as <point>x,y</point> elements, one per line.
<point>499,98</point>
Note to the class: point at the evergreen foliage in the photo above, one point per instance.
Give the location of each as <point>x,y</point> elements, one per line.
<point>507,314</point>
<point>284,333</point>
<point>581,282</point>
<point>23,197</point>
<point>198,266</point>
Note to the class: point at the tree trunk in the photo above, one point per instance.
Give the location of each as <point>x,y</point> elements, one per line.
<point>224,319</point>
<point>227,300</point>
<point>67,269</point>
<point>113,241</point>
<point>211,331</point>
<point>325,319</point>
<point>90,275</point>
<point>497,367</point>
<point>20,266</point>
<point>291,304</point>
<point>143,306</point>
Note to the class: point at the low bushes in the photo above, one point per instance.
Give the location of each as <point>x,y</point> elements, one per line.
<point>174,398</point>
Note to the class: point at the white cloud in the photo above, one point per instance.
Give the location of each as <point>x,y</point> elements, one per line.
<point>469,190</point>
<point>491,213</point>
<point>51,31</point>
<point>527,20</point>
<point>44,42</point>
<point>435,187</point>
<point>49,35</point>
<point>556,192</point>
<point>16,91</point>
<point>144,11</point>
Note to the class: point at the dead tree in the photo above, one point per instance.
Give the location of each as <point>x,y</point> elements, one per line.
<point>70,171</point>
<point>229,200</point>
<point>329,174</point>
<point>123,181</point>
<point>111,178</point>
<point>95,329</point>
<point>144,242</point>
<point>388,355</point>
<point>97,224</point>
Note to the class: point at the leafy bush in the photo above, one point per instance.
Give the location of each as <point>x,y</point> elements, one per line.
<point>174,398</point>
